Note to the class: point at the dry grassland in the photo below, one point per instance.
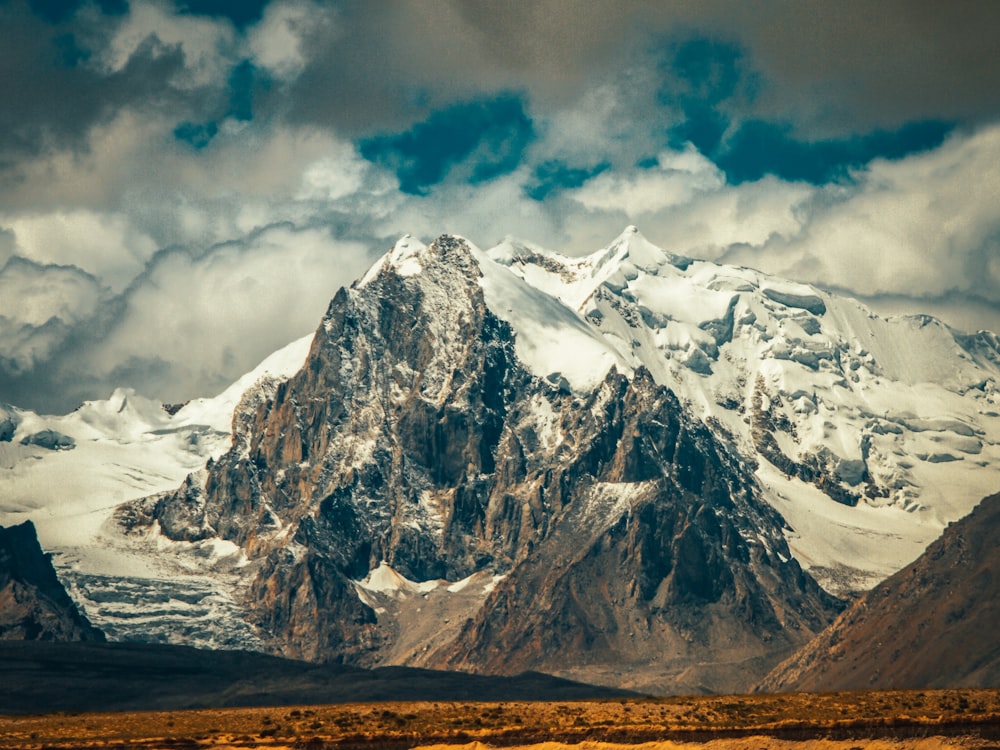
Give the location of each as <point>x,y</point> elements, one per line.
<point>923,720</point>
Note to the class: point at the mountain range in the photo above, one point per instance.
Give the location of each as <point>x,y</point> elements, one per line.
<point>629,468</point>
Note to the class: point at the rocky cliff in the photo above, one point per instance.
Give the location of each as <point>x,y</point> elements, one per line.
<point>932,624</point>
<point>415,495</point>
<point>33,603</point>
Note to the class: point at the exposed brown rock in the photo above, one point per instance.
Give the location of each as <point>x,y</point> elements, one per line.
<point>932,624</point>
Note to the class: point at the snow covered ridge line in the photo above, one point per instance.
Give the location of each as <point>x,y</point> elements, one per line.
<point>127,416</point>
<point>896,419</point>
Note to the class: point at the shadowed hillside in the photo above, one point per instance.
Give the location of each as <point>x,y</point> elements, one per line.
<point>932,624</point>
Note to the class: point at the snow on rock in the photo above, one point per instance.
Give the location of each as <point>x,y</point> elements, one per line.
<point>385,580</point>
<point>893,422</point>
<point>553,340</point>
<point>403,259</point>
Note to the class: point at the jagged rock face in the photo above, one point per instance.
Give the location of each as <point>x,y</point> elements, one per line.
<point>931,625</point>
<point>33,603</point>
<point>414,437</point>
<point>658,557</point>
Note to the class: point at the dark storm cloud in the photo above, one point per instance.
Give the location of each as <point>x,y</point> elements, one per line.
<point>824,86</point>
<point>50,100</point>
<point>841,66</point>
<point>56,11</point>
<point>829,68</point>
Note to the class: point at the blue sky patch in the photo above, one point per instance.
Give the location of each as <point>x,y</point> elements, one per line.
<point>241,12</point>
<point>486,137</point>
<point>70,52</point>
<point>705,82</point>
<point>554,176</point>
<point>242,84</point>
<point>760,148</point>
<point>196,134</point>
<point>703,70</point>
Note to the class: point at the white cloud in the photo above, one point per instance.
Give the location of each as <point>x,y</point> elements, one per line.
<point>104,245</point>
<point>680,177</point>
<point>276,41</point>
<point>751,214</point>
<point>207,320</point>
<point>39,309</point>
<point>923,226</point>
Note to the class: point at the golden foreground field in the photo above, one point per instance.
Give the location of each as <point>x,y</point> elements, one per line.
<point>925,720</point>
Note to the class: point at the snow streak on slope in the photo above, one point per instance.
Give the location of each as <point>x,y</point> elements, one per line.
<point>103,454</point>
<point>871,433</point>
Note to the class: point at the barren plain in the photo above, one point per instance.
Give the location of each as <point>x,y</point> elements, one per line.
<point>923,720</point>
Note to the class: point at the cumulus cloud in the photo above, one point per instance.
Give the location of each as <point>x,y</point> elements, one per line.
<point>105,246</point>
<point>276,42</point>
<point>923,226</point>
<point>198,320</point>
<point>676,180</point>
<point>205,44</point>
<point>40,307</point>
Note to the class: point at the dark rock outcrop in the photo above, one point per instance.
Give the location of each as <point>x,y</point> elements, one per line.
<point>33,603</point>
<point>931,625</point>
<point>630,538</point>
<point>8,424</point>
<point>50,440</point>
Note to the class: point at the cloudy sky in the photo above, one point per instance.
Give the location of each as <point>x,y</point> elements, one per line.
<point>185,183</point>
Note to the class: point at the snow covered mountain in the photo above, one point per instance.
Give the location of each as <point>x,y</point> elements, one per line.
<point>475,436</point>
<point>897,420</point>
<point>510,459</point>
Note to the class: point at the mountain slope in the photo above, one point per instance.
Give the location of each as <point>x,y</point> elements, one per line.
<point>33,604</point>
<point>932,624</point>
<point>414,472</point>
<point>896,420</point>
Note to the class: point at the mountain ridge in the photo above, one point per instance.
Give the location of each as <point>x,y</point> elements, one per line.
<point>33,603</point>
